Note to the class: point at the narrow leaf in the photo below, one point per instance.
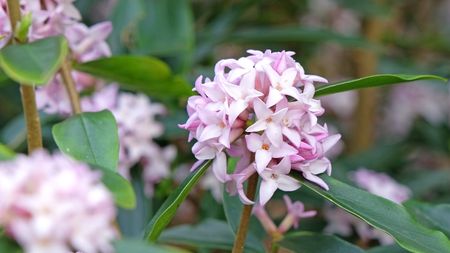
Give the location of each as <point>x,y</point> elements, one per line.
<point>34,63</point>
<point>307,242</point>
<point>432,216</point>
<point>387,249</point>
<point>141,73</point>
<point>385,215</point>
<point>90,137</point>
<point>209,234</point>
<point>170,206</point>
<point>372,81</point>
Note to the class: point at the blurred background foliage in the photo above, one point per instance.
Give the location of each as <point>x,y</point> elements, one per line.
<point>341,39</point>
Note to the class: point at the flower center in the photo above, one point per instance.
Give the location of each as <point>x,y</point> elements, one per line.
<point>265,146</point>
<point>274,176</point>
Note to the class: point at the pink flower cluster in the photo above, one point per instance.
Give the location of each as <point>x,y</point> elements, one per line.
<point>260,109</point>
<point>136,119</point>
<point>52,204</point>
<point>295,212</point>
<point>60,17</point>
<point>380,184</point>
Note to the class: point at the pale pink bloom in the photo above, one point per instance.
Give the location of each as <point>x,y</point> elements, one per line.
<point>275,178</point>
<point>376,183</point>
<point>259,109</point>
<point>381,184</point>
<point>265,151</point>
<point>407,103</point>
<point>296,212</point>
<point>47,202</point>
<point>268,121</point>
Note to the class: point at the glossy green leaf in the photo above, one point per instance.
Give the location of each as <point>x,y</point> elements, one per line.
<point>385,215</point>
<point>168,209</point>
<point>34,63</point>
<point>120,188</point>
<point>6,153</point>
<point>90,137</point>
<point>136,246</point>
<point>387,249</point>
<point>433,216</point>
<point>307,242</point>
<point>372,81</point>
<point>210,234</point>
<point>141,73</point>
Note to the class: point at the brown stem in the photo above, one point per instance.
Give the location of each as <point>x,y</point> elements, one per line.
<point>366,111</point>
<point>239,243</point>
<point>34,133</point>
<point>66,73</point>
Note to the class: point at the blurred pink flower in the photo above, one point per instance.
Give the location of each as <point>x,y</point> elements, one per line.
<point>260,109</point>
<point>295,212</point>
<point>52,204</point>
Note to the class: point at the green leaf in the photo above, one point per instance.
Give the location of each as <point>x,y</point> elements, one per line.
<point>372,81</point>
<point>120,188</point>
<point>210,234</point>
<point>307,242</point>
<point>90,137</point>
<point>170,206</point>
<point>385,215</point>
<point>23,27</point>
<point>34,63</point>
<point>8,246</point>
<point>387,249</point>
<point>6,153</point>
<point>136,246</point>
<point>433,216</point>
<point>141,73</point>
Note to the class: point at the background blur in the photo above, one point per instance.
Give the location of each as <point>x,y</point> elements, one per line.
<point>402,130</point>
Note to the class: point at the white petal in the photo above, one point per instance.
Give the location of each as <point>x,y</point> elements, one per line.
<point>262,158</point>
<point>266,191</point>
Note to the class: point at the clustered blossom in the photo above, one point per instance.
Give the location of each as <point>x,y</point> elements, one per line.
<point>136,120</point>
<point>52,204</point>
<point>60,17</point>
<point>260,109</point>
<point>295,212</point>
<point>380,184</point>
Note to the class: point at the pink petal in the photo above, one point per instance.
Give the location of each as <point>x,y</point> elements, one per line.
<point>329,142</point>
<point>288,77</point>
<point>262,158</point>
<point>210,131</point>
<point>291,91</point>
<point>284,150</point>
<point>316,179</point>
<point>257,126</point>
<point>261,110</point>
<point>254,141</point>
<point>274,97</point>
<point>219,167</point>
<point>292,135</point>
<point>284,166</point>
<point>266,191</point>
<point>287,183</point>
<point>224,139</point>
<point>319,166</point>
<point>236,108</point>
<point>273,133</point>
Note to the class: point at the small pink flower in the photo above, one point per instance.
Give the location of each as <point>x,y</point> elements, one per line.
<point>275,178</point>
